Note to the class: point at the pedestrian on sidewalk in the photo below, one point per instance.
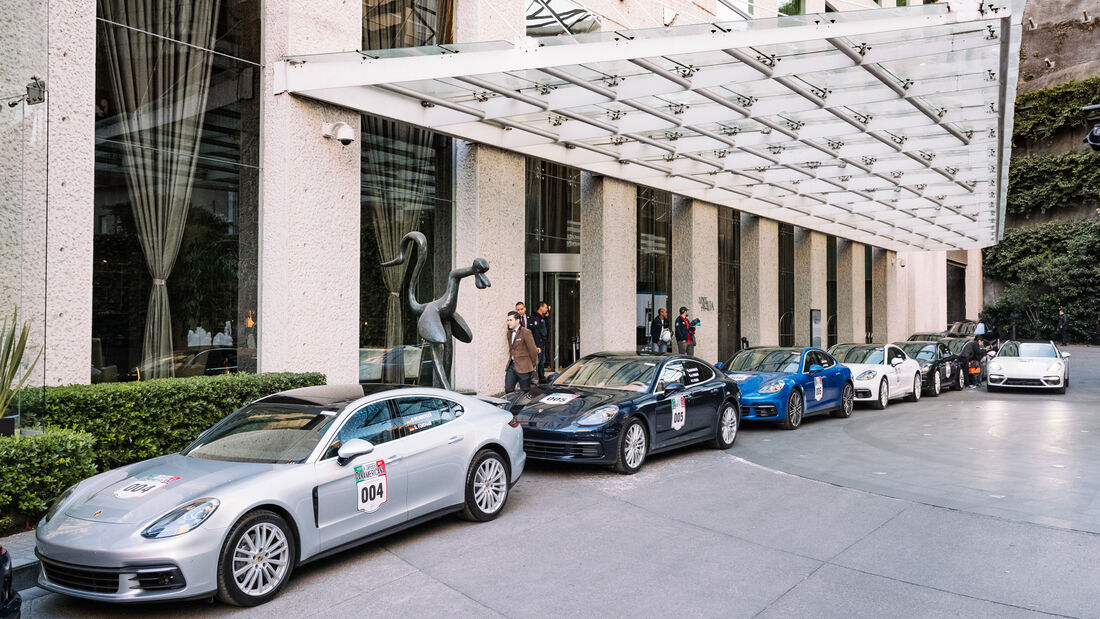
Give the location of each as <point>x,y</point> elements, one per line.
<point>659,332</point>
<point>685,332</point>
<point>540,332</point>
<point>521,309</point>
<point>522,355</point>
<point>1063,324</point>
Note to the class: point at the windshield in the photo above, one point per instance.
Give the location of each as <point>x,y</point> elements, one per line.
<point>1028,349</point>
<point>765,360</point>
<point>921,352</point>
<point>268,433</point>
<point>955,346</point>
<point>919,337</point>
<point>609,373</point>
<point>851,353</point>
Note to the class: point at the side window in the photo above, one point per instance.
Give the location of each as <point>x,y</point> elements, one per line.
<point>810,359</point>
<point>696,373</point>
<point>896,353</point>
<point>374,422</point>
<point>673,372</point>
<point>416,414</point>
<point>944,352</point>
<point>825,360</point>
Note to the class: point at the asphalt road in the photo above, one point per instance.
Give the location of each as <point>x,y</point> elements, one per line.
<point>970,504</point>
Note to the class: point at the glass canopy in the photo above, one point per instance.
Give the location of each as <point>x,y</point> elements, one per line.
<point>888,126</point>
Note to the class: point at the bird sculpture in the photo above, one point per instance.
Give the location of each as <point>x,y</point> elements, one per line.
<point>437,320</point>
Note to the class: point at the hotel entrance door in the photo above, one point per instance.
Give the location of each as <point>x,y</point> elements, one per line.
<point>561,289</point>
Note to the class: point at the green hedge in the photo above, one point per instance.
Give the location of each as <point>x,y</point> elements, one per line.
<point>1046,268</point>
<point>1042,113</point>
<point>1041,183</point>
<point>36,469</point>
<point>139,420</point>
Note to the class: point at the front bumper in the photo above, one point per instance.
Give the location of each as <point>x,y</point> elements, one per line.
<point>1025,382</point>
<point>867,390</point>
<point>764,409</point>
<point>596,447</point>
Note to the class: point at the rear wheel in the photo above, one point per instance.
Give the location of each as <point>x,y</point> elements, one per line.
<point>915,395</point>
<point>633,447</point>
<point>847,399</point>
<point>794,411</point>
<point>728,421</point>
<point>883,395</point>
<point>486,487</point>
<point>256,560</point>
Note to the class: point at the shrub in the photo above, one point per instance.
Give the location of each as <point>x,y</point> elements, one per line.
<point>140,420</point>
<point>1041,183</point>
<point>1042,113</point>
<point>37,468</point>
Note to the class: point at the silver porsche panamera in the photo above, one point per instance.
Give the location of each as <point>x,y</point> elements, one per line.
<point>284,480</point>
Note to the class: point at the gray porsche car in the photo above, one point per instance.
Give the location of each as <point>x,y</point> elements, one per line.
<point>284,480</point>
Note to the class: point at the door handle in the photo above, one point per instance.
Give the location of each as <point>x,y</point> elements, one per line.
<point>454,439</point>
<point>394,459</point>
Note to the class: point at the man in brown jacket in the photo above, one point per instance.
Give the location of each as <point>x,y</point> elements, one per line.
<point>522,355</point>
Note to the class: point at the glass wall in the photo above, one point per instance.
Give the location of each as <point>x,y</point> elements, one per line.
<point>176,189</point>
<point>407,185</point>
<point>830,287</point>
<point>786,284</point>
<point>654,258</point>
<point>729,282</point>
<point>867,293</point>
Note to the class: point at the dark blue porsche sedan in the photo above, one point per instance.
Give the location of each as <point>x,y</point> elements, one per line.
<point>787,384</point>
<point>617,408</point>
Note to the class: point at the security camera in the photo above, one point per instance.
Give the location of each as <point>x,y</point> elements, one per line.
<point>342,132</point>
<point>1092,138</point>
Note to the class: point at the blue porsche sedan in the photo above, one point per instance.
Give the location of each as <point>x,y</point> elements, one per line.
<point>788,384</point>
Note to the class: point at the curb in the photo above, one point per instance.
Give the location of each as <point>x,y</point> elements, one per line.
<point>24,576</point>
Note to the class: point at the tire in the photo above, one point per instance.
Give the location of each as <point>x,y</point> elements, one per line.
<point>729,420</point>
<point>847,401</point>
<point>795,409</point>
<point>960,380</point>
<point>633,447</point>
<point>915,395</point>
<point>486,487</point>
<point>257,581</point>
<point>883,395</point>
<point>937,386</point>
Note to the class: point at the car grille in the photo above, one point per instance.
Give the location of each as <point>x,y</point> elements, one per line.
<point>1024,382</point>
<point>81,578</point>
<point>556,449</point>
<point>863,393</point>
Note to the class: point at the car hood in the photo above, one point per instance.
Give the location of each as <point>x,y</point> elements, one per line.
<point>1036,364</point>
<point>749,382</point>
<point>859,368</point>
<point>141,492</point>
<point>558,408</point>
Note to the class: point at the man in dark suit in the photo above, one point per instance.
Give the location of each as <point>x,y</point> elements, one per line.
<point>540,331</point>
<point>522,355</point>
<point>1063,323</point>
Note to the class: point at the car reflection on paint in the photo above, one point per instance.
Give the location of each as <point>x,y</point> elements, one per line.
<point>618,408</point>
<point>787,384</point>
<point>287,479</point>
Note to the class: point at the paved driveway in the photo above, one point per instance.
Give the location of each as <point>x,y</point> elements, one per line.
<point>971,504</point>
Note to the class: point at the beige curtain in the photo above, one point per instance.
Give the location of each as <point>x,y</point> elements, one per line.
<point>160,88</point>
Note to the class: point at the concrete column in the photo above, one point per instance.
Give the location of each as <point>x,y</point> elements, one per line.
<point>309,292</point>
<point>695,269</point>
<point>759,280</point>
<point>974,288</point>
<point>609,263</point>
<point>489,224</point>
<point>887,322</point>
<point>489,219</point>
<point>811,289</point>
<point>850,292</point>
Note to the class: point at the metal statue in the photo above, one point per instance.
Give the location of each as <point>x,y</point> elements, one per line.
<point>438,321</point>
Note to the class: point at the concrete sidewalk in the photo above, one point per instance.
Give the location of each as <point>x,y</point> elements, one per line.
<point>24,564</point>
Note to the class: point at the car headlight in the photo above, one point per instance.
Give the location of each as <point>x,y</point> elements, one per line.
<point>182,519</point>
<point>925,367</point>
<point>599,416</point>
<point>996,367</point>
<point>775,387</point>
<point>56,507</point>
<point>868,375</point>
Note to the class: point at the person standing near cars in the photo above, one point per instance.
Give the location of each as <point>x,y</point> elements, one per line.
<point>1063,324</point>
<point>522,355</point>
<point>659,332</point>
<point>685,333</point>
<point>972,352</point>
<point>521,309</point>
<point>540,332</point>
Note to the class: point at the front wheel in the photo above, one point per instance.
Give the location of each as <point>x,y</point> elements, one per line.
<point>633,447</point>
<point>726,433</point>
<point>937,387</point>
<point>960,380</point>
<point>486,487</point>
<point>794,411</point>
<point>847,399</point>
<point>883,395</point>
<point>915,395</point>
<point>256,560</point>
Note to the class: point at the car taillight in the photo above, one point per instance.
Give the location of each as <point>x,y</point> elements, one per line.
<point>514,422</point>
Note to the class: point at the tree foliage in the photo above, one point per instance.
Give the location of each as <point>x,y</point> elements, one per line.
<point>1042,183</point>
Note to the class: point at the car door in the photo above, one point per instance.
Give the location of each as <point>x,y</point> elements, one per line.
<point>670,414</point>
<point>365,495</point>
<point>813,384</point>
<point>901,376</point>
<point>834,378</point>
<point>435,449</point>
<point>704,396</point>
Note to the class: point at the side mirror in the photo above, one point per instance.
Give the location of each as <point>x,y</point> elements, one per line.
<point>897,361</point>
<point>672,388</point>
<point>352,449</point>
<point>993,353</point>
<point>815,368</point>
<point>1066,355</point>
<point>719,365</point>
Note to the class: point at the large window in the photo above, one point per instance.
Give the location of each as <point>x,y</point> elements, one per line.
<point>654,258</point>
<point>729,282</point>
<point>176,189</point>
<point>407,185</point>
<point>830,289</point>
<point>786,285</point>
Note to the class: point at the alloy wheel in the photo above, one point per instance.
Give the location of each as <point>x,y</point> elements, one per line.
<point>729,425</point>
<point>490,486</point>
<point>635,445</point>
<point>260,559</point>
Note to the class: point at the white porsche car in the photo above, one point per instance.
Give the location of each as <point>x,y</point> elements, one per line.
<point>1029,365</point>
<point>881,372</point>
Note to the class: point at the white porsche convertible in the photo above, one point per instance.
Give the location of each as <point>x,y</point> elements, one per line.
<point>881,372</point>
<point>1029,365</point>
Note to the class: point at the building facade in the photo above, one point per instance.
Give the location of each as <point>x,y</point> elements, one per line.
<point>169,210</point>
